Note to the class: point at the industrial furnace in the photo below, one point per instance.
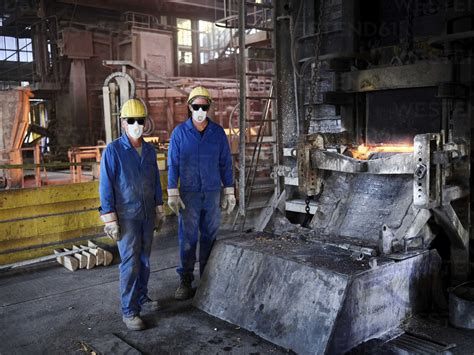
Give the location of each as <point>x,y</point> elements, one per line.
<point>375,137</point>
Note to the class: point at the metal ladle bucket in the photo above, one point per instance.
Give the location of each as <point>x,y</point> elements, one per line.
<point>461,305</point>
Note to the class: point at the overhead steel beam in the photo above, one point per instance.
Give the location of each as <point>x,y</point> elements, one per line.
<point>396,77</point>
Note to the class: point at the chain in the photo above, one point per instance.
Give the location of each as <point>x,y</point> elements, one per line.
<point>410,19</point>
<point>407,54</point>
<point>315,69</point>
<point>410,39</point>
<point>307,209</point>
<point>307,218</point>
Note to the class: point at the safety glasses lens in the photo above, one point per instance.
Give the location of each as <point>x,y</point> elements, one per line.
<point>196,107</point>
<point>140,121</point>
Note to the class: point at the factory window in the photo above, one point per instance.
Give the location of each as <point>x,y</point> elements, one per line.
<point>213,41</point>
<point>204,57</point>
<point>185,57</point>
<point>184,32</point>
<point>26,50</point>
<point>9,51</point>
<point>185,41</point>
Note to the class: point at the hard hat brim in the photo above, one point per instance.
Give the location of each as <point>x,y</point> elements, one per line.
<point>199,97</point>
<point>133,116</point>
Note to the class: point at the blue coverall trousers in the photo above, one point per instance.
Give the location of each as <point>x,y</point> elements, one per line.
<point>134,249</point>
<point>202,214</point>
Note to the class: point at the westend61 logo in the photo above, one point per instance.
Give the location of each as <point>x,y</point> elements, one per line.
<point>426,109</point>
<point>417,109</point>
<point>416,8</point>
<point>434,6</point>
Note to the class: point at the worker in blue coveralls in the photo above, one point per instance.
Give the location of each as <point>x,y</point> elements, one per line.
<point>199,157</point>
<point>131,207</point>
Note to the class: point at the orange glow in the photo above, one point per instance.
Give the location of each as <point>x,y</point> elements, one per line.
<point>363,151</point>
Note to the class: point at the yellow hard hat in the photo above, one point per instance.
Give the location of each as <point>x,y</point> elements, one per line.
<point>133,108</point>
<point>199,91</point>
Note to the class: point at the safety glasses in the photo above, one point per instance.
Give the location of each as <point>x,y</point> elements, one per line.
<point>196,107</point>
<point>140,121</point>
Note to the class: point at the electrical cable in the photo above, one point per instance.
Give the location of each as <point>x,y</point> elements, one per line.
<point>293,24</point>
<point>73,14</point>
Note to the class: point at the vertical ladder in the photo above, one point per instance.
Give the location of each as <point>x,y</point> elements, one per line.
<point>258,146</point>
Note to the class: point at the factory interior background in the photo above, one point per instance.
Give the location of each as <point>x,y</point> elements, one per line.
<point>349,124</point>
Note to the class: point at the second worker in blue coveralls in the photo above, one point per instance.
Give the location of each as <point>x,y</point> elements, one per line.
<point>199,157</point>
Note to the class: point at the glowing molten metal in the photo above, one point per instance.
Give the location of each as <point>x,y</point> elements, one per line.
<point>363,151</point>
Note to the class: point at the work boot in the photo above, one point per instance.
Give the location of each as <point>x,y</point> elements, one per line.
<point>150,305</point>
<point>185,290</point>
<point>134,323</point>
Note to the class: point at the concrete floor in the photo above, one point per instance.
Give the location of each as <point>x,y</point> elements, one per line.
<point>435,326</point>
<point>48,309</point>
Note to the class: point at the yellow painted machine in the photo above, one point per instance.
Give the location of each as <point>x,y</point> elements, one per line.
<point>35,221</point>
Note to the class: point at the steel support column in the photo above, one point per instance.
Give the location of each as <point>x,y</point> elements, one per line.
<point>285,88</point>
<point>242,111</point>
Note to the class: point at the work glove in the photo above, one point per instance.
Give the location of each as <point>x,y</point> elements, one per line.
<point>111,228</point>
<point>158,216</point>
<point>174,201</point>
<point>228,200</point>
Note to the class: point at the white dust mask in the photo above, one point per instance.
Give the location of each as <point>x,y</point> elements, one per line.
<point>135,130</point>
<point>199,115</point>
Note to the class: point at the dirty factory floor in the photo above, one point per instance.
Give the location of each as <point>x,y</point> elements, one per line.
<point>49,310</point>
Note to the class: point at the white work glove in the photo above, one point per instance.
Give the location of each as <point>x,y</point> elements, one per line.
<point>158,216</point>
<point>112,228</point>
<point>228,200</point>
<point>174,201</point>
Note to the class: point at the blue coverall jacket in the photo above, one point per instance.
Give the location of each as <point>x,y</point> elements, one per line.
<point>203,165</point>
<point>129,184</point>
<point>200,163</point>
<point>130,187</point>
